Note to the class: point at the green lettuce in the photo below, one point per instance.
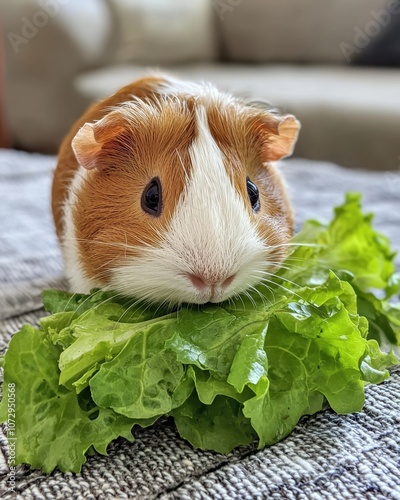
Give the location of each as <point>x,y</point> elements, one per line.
<point>310,338</point>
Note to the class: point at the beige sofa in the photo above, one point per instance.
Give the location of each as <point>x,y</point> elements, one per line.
<point>294,55</point>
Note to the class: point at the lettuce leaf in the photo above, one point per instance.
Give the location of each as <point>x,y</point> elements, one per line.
<point>52,430</point>
<point>307,339</point>
<point>347,244</point>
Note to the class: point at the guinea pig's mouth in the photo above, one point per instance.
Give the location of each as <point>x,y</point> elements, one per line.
<point>205,297</point>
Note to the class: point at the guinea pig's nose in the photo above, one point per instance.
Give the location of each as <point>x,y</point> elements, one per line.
<point>197,281</point>
<point>228,281</point>
<point>200,282</point>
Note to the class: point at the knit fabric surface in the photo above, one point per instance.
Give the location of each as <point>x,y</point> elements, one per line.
<point>327,456</point>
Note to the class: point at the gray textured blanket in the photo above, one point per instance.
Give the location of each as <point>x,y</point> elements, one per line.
<point>327,456</point>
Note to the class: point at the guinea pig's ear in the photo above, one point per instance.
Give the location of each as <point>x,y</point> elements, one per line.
<point>279,136</point>
<point>93,138</point>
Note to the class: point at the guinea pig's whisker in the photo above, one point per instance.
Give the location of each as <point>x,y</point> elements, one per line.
<point>264,299</point>
<point>183,165</point>
<point>164,303</point>
<point>104,273</point>
<point>239,297</point>
<point>248,295</point>
<point>142,304</point>
<point>86,299</point>
<point>279,277</point>
<point>96,242</point>
<point>296,266</point>
<point>139,304</point>
<point>292,260</point>
<point>109,299</point>
<point>147,296</point>
<point>289,291</point>
<point>231,303</point>
<point>280,265</point>
<point>70,299</point>
<point>130,308</point>
<point>266,280</point>
<point>234,300</point>
<point>124,246</point>
<point>311,245</point>
<point>286,266</point>
<point>269,288</point>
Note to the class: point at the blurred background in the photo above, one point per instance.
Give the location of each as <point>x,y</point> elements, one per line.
<point>335,64</point>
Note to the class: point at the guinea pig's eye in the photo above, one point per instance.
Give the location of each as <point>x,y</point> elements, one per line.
<point>151,198</point>
<point>254,195</point>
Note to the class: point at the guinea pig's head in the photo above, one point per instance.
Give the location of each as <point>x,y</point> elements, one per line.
<point>178,198</point>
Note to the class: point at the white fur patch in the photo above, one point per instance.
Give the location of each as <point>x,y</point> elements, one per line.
<point>205,92</point>
<point>80,283</point>
<point>210,234</point>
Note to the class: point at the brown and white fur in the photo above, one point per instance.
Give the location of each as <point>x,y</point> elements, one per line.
<point>207,244</point>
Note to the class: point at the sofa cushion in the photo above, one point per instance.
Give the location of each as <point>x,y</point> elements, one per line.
<point>292,30</point>
<point>350,115</point>
<point>161,31</point>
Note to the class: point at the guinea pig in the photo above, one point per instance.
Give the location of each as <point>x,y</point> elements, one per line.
<point>167,192</point>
